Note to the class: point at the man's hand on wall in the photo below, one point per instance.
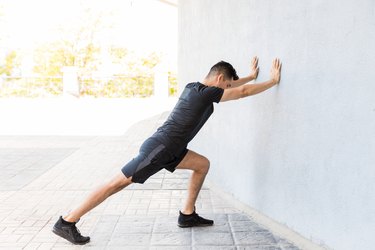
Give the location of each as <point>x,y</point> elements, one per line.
<point>254,68</point>
<point>276,71</point>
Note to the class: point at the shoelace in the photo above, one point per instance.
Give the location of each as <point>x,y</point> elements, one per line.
<point>76,231</point>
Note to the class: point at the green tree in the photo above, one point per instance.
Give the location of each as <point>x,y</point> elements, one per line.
<point>51,58</point>
<point>81,45</point>
<point>77,46</point>
<point>133,75</point>
<point>11,62</point>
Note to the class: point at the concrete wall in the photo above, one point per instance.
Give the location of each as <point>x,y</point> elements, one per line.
<point>302,153</point>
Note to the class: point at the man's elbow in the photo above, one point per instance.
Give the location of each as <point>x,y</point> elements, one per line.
<point>245,92</point>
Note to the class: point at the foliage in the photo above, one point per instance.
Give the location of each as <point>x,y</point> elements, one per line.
<point>31,87</point>
<point>173,87</point>
<point>104,70</point>
<point>132,75</point>
<point>116,87</point>
<point>51,58</point>
<point>11,61</point>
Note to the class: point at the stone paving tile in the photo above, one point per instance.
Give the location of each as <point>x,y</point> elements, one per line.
<point>259,247</point>
<point>171,239</point>
<point>170,248</point>
<point>251,238</point>
<point>246,226</point>
<point>20,166</point>
<point>129,240</point>
<point>214,248</point>
<point>219,227</point>
<point>168,225</point>
<point>213,239</point>
<point>139,217</point>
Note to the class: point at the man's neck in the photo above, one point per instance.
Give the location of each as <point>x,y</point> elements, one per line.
<point>209,82</point>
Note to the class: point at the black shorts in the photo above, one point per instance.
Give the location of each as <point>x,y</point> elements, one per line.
<point>153,157</point>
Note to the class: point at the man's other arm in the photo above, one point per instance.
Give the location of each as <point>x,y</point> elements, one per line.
<point>253,89</point>
<point>253,75</point>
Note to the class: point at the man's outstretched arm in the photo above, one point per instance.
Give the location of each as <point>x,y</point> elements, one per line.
<point>253,89</point>
<point>253,75</point>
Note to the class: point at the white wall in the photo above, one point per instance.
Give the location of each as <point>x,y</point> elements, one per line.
<point>302,153</point>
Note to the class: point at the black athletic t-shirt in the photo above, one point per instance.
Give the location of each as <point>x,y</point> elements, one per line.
<point>191,112</point>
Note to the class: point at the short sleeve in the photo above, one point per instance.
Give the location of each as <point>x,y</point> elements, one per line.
<point>213,94</point>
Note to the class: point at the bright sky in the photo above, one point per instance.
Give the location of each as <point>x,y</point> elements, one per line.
<point>141,25</point>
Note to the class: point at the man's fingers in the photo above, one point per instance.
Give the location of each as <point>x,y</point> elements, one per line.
<point>254,65</point>
<point>276,70</point>
<point>276,63</point>
<point>254,62</point>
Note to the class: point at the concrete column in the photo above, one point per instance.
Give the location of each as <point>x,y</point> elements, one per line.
<point>70,81</point>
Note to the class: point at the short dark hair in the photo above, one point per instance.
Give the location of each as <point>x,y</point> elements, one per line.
<point>223,68</point>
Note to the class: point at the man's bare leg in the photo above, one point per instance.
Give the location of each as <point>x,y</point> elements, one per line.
<point>66,228</point>
<point>98,196</point>
<point>200,166</point>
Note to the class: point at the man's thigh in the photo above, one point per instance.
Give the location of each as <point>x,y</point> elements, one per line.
<point>193,161</point>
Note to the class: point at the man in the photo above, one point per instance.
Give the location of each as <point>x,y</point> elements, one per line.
<point>167,147</point>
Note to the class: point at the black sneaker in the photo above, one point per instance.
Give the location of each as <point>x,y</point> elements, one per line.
<point>193,220</point>
<point>70,232</point>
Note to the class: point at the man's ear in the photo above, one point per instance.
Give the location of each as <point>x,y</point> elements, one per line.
<point>220,77</point>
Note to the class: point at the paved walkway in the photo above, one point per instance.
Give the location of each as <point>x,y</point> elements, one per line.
<point>43,177</point>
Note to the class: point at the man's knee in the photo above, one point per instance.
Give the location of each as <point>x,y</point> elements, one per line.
<point>119,182</point>
<point>204,165</point>
<point>196,162</point>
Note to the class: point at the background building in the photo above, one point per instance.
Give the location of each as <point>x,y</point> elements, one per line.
<point>302,153</point>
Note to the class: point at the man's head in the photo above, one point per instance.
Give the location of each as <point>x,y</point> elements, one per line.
<point>222,73</point>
